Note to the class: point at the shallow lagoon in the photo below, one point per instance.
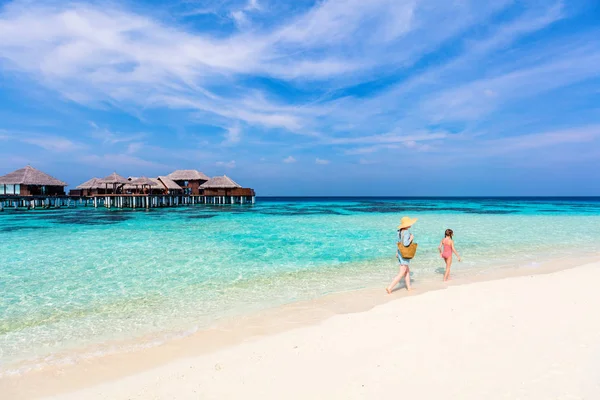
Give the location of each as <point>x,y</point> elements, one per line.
<point>75,277</point>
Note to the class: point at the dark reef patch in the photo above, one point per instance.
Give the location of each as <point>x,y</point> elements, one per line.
<point>21,228</point>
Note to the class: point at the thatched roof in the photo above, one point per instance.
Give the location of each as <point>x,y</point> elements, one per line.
<point>138,183</point>
<point>113,178</point>
<point>30,176</point>
<point>220,182</point>
<point>169,183</point>
<point>91,184</point>
<point>187,175</point>
<point>142,181</point>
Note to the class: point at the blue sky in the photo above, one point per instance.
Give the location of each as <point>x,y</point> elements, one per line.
<point>331,97</point>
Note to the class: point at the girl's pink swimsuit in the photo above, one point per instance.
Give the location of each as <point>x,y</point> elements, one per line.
<point>447,250</point>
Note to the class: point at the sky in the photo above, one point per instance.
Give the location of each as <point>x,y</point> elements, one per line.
<point>329,98</point>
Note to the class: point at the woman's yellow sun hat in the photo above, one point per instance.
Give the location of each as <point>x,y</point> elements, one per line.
<point>405,222</point>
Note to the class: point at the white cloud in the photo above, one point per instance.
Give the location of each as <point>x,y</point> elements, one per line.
<point>121,161</point>
<point>370,149</point>
<point>473,100</point>
<point>253,5</point>
<point>111,138</point>
<point>55,144</point>
<point>392,137</point>
<point>229,164</point>
<point>108,55</point>
<point>321,161</point>
<point>97,55</point>
<point>289,160</point>
<point>364,161</point>
<point>240,16</point>
<point>543,139</point>
<point>134,147</point>
<point>233,135</point>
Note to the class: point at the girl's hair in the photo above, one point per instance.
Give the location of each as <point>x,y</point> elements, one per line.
<point>449,233</point>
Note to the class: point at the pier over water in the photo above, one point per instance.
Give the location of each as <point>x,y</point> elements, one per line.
<point>28,188</point>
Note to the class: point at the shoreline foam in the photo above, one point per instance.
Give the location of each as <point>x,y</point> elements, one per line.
<point>101,367</point>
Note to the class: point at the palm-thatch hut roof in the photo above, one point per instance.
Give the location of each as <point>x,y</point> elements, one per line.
<point>113,178</point>
<point>187,175</point>
<point>136,183</point>
<point>30,176</point>
<point>142,181</point>
<point>220,182</point>
<point>91,184</point>
<point>169,183</point>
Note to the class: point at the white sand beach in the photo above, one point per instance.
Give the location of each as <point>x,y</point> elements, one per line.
<point>528,337</point>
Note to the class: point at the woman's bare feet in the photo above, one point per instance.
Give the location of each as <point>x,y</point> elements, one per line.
<point>388,290</point>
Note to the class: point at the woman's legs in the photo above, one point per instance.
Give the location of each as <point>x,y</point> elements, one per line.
<point>401,274</point>
<point>407,278</point>
<point>448,265</point>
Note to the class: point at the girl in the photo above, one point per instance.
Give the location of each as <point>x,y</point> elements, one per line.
<point>406,238</point>
<point>448,248</point>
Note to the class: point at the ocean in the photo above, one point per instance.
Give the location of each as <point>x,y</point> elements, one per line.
<point>74,278</point>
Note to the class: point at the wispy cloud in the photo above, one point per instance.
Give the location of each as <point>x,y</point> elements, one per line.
<point>321,161</point>
<point>134,147</point>
<point>228,164</point>
<point>122,162</point>
<point>55,144</point>
<point>540,140</point>
<point>51,143</point>
<point>368,81</point>
<point>233,135</point>
<point>364,161</point>
<point>108,137</point>
<point>241,15</point>
<point>96,54</point>
<point>477,98</point>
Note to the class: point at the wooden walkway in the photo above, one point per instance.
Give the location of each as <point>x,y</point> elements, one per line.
<point>119,201</point>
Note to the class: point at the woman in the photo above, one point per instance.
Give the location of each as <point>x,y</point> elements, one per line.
<point>447,245</point>
<point>406,238</point>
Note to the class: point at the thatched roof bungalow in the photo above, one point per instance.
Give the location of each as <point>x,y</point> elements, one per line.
<point>88,188</point>
<point>224,186</point>
<point>113,183</point>
<point>220,182</point>
<point>171,186</point>
<point>29,181</point>
<point>189,180</point>
<point>91,184</point>
<point>143,185</point>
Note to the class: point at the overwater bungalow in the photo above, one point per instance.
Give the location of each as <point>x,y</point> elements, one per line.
<point>30,188</point>
<point>113,183</point>
<point>88,188</point>
<point>29,181</point>
<point>189,180</point>
<point>170,185</point>
<point>143,185</point>
<point>224,190</point>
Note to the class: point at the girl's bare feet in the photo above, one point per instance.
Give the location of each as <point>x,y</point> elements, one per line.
<point>388,290</point>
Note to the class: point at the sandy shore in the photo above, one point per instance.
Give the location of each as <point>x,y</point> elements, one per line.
<point>529,337</point>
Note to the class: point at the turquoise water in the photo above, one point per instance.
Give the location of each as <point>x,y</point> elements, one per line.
<point>72,278</point>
